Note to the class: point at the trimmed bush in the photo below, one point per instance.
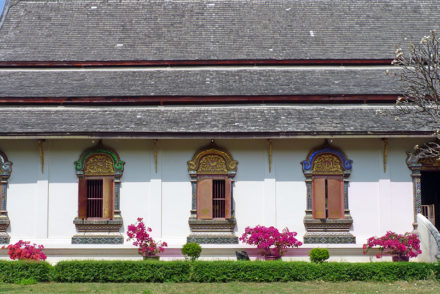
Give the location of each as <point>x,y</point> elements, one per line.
<point>121,271</point>
<point>17,271</point>
<point>25,272</point>
<point>319,255</point>
<point>192,250</point>
<point>266,271</point>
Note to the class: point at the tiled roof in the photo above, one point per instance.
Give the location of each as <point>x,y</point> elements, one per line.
<point>201,81</point>
<point>206,121</point>
<point>79,30</point>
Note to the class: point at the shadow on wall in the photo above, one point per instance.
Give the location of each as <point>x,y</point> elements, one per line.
<point>367,156</point>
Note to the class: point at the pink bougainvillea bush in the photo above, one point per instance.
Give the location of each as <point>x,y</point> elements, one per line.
<point>142,239</point>
<point>392,243</point>
<point>270,239</point>
<point>24,250</point>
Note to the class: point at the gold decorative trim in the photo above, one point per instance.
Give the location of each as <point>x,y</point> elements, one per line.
<point>270,155</point>
<point>212,164</point>
<point>385,154</point>
<point>99,165</point>
<point>212,159</point>
<point>155,154</point>
<point>40,144</point>
<point>326,164</point>
<point>430,162</point>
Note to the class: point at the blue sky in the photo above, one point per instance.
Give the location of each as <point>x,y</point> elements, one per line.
<point>2,2</point>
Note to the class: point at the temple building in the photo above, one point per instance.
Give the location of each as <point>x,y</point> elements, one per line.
<point>206,117</point>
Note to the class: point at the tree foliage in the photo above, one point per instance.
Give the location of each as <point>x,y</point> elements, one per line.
<point>419,73</point>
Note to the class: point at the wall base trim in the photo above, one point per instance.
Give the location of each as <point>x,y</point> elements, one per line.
<point>213,239</point>
<point>4,238</point>
<point>329,238</point>
<point>98,239</point>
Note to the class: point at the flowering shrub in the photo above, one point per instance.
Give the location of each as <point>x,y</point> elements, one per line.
<point>24,250</point>
<point>395,244</point>
<point>142,239</point>
<point>270,239</point>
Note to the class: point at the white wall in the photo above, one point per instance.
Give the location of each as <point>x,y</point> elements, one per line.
<point>42,206</point>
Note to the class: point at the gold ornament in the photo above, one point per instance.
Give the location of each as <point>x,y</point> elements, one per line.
<point>327,164</point>
<point>430,161</point>
<point>212,164</point>
<point>212,160</point>
<point>99,165</point>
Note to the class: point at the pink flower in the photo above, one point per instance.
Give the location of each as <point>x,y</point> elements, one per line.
<point>396,244</point>
<point>268,238</point>
<point>146,244</point>
<point>25,250</point>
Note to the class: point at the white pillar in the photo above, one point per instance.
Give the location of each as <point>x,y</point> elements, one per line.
<point>41,202</point>
<point>155,196</point>
<point>270,203</point>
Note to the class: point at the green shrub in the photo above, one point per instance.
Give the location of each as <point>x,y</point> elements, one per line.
<point>23,272</point>
<point>17,271</point>
<point>191,250</point>
<point>319,255</point>
<point>275,271</point>
<point>121,271</point>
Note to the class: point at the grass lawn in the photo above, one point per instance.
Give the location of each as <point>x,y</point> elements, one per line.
<point>193,288</point>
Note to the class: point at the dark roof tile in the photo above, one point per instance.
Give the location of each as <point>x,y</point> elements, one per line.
<point>207,121</point>
<point>204,81</point>
<point>99,30</point>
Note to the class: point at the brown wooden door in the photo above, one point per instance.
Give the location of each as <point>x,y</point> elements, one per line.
<point>319,197</point>
<point>204,198</point>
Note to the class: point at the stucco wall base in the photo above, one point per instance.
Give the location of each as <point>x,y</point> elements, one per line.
<point>347,253</point>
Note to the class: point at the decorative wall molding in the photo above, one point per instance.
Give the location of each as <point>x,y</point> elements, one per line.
<point>329,238</point>
<point>98,239</point>
<point>5,173</point>
<point>211,160</point>
<point>327,160</point>
<point>104,162</point>
<point>214,225</point>
<point>329,225</point>
<point>95,226</point>
<point>212,239</point>
<point>343,164</point>
<point>425,158</point>
<point>5,167</point>
<point>100,161</point>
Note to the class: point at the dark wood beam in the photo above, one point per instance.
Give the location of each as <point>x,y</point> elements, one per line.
<point>114,63</point>
<point>160,100</point>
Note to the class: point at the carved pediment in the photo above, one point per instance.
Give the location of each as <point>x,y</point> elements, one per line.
<point>426,155</point>
<point>99,161</point>
<point>212,159</point>
<point>99,165</point>
<point>5,166</point>
<point>326,161</point>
